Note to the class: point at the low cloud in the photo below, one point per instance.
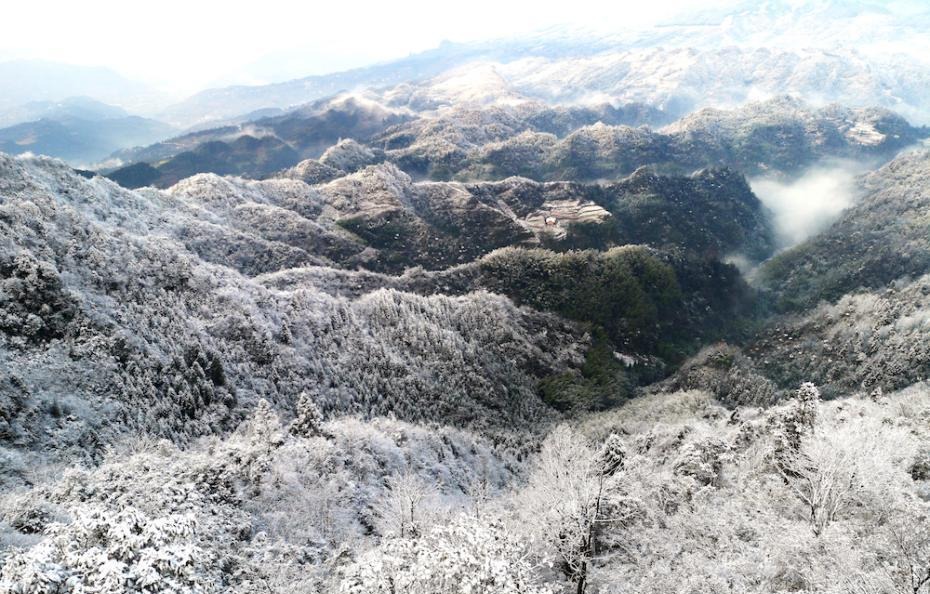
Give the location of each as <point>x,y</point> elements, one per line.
<point>806,204</point>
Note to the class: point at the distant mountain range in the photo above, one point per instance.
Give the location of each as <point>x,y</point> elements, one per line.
<point>526,138</point>
<point>28,81</point>
<point>855,53</point>
<point>80,130</point>
<point>859,54</point>
<point>84,108</point>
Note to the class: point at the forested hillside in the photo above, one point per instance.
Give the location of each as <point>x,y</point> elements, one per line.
<point>468,141</point>
<point>805,496</point>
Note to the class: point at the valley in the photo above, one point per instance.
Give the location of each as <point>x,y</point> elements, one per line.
<point>618,313</point>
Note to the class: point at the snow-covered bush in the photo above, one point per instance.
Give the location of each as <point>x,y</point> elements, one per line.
<point>702,461</point>
<point>104,552</point>
<point>463,556</point>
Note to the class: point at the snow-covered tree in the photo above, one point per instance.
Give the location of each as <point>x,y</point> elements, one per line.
<point>848,467</point>
<point>407,507</point>
<point>796,422</point>
<point>702,461</point>
<point>564,502</point>
<point>309,419</point>
<point>613,455</point>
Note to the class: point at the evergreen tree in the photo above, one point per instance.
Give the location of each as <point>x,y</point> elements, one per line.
<point>309,420</point>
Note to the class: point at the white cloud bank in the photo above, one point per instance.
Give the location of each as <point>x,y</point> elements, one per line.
<point>807,204</point>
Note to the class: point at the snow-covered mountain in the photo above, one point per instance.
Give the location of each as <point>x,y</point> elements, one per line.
<point>589,311</point>
<point>855,53</point>
<point>25,81</point>
<point>98,276</point>
<point>83,142</point>
<point>874,27</point>
<point>70,107</point>
<point>526,138</point>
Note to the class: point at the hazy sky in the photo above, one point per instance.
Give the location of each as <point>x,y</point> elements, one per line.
<point>182,46</point>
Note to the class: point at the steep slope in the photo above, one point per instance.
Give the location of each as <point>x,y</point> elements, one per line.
<point>850,303</point>
<point>868,339</point>
<point>882,238</point>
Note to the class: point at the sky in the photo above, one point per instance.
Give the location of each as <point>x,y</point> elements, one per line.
<point>182,46</point>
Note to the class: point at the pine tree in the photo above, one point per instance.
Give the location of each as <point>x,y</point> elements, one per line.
<point>264,426</point>
<point>613,455</point>
<point>798,421</point>
<point>807,399</point>
<point>309,420</point>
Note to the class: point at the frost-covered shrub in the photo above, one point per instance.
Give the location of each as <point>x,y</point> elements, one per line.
<point>106,552</point>
<point>262,509</point>
<point>805,408</point>
<point>848,467</point>
<point>363,477</point>
<point>702,461</point>
<point>462,556</point>
<point>408,506</point>
<point>26,514</point>
<point>565,502</point>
